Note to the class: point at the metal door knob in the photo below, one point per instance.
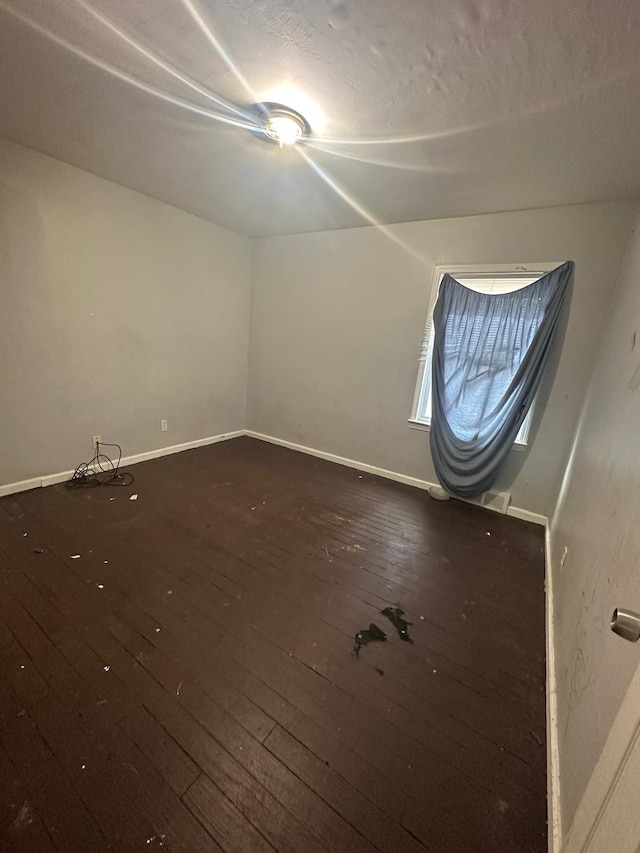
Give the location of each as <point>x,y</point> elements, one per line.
<point>626,624</point>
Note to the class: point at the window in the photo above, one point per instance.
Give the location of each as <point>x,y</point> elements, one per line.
<point>494,279</point>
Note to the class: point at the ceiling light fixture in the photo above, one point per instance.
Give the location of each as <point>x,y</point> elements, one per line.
<point>282,125</point>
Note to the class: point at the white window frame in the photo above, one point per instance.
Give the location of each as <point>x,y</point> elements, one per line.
<point>423,381</point>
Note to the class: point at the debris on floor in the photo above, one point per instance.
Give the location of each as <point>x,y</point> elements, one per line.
<point>438,493</point>
<point>133,498</point>
<point>368,635</point>
<point>379,671</point>
<point>38,550</point>
<point>394,615</point>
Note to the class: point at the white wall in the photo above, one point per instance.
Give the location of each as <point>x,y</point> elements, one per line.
<point>115,311</point>
<point>597,519</point>
<point>337,319</point>
<point>101,286</point>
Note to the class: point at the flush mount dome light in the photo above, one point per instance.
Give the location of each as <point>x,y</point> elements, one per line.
<point>282,125</point>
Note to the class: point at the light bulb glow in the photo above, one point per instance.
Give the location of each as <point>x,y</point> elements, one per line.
<point>298,100</point>
<point>285,130</point>
<point>281,124</point>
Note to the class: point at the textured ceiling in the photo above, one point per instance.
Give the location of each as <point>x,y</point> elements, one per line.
<point>419,108</point>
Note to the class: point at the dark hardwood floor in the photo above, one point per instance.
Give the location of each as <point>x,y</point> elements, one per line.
<point>177,672</point>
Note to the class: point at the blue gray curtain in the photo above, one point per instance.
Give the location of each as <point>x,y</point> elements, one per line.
<point>490,351</point>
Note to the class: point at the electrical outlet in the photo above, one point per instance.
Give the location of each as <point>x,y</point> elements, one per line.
<point>95,439</point>
<point>164,426</point>
<point>563,558</point>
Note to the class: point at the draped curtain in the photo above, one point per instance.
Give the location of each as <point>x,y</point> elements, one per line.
<point>490,351</point>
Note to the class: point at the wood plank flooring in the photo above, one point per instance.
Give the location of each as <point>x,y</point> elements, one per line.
<point>177,672</point>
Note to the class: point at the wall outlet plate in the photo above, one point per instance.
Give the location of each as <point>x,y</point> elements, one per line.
<point>164,426</point>
<point>95,439</point>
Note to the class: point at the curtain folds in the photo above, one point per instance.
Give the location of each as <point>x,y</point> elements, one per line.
<point>490,352</point>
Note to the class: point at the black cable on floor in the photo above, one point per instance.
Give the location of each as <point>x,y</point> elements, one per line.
<point>101,470</point>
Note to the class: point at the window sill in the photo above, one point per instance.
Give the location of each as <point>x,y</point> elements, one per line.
<point>426,427</point>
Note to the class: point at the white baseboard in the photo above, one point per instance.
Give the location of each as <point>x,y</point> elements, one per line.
<point>63,476</point>
<point>22,486</point>
<point>178,448</point>
<point>553,758</point>
<point>342,460</point>
<point>382,472</point>
<point>527,515</point>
